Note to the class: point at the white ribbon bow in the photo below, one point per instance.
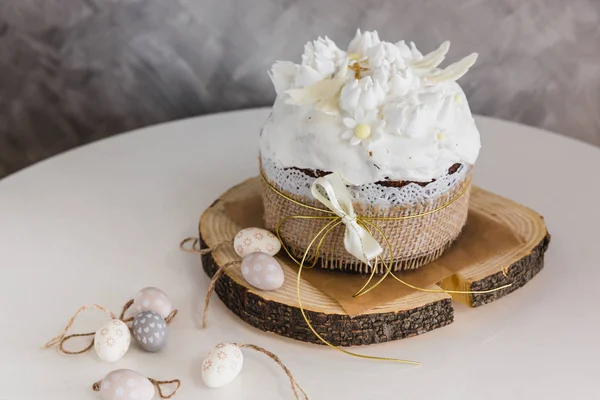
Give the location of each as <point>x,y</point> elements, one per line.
<point>357,240</point>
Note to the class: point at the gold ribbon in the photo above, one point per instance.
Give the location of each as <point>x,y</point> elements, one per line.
<point>367,223</point>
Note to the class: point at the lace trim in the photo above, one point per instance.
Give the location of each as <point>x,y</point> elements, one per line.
<point>297,182</point>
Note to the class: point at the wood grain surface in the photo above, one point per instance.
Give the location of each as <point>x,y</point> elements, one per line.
<point>413,314</point>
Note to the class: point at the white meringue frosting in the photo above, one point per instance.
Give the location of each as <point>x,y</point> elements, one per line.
<point>378,111</point>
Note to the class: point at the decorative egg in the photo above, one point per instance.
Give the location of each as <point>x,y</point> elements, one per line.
<point>250,240</point>
<point>125,384</point>
<point>150,330</point>
<point>152,299</point>
<point>262,271</point>
<point>112,340</point>
<point>222,364</point>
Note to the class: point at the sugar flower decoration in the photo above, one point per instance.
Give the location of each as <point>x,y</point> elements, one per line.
<point>318,80</point>
<point>323,56</point>
<point>362,42</point>
<point>363,128</point>
<point>323,95</point>
<point>375,84</point>
<point>282,75</point>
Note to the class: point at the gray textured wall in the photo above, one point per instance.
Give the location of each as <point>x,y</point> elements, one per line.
<point>72,71</point>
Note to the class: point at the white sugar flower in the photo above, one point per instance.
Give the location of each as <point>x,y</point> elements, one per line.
<point>402,82</point>
<point>306,76</point>
<point>286,75</point>
<point>364,128</point>
<point>323,95</point>
<point>371,75</point>
<point>323,56</point>
<point>394,80</point>
<point>282,75</point>
<point>362,42</point>
<point>321,60</point>
<point>362,94</point>
<point>385,55</point>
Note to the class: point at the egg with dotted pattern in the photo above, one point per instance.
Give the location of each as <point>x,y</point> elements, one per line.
<point>112,340</point>
<point>125,384</point>
<point>250,240</point>
<point>262,271</point>
<point>222,365</point>
<point>152,299</point>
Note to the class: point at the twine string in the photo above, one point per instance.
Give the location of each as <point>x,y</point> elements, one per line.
<point>170,317</point>
<point>62,349</point>
<point>296,388</point>
<point>157,384</point>
<point>212,286</point>
<point>61,338</point>
<point>195,246</point>
<point>125,308</point>
<point>365,222</point>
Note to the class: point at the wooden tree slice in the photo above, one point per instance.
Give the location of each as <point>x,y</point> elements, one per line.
<point>516,267</point>
<point>416,313</point>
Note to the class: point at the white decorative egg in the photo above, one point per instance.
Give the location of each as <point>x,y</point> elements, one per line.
<point>262,271</point>
<point>251,240</point>
<point>222,364</point>
<point>125,384</point>
<point>112,340</point>
<point>152,299</point>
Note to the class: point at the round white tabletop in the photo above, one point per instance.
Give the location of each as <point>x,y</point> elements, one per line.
<point>98,223</point>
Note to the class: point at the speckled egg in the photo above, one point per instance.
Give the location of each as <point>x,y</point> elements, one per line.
<point>112,340</point>
<point>262,271</point>
<point>150,331</point>
<point>125,384</point>
<point>152,299</point>
<point>222,364</point>
<point>250,240</point>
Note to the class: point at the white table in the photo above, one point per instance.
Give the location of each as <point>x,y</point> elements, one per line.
<point>98,223</point>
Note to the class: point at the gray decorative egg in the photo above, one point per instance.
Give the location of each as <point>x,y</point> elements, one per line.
<point>150,330</point>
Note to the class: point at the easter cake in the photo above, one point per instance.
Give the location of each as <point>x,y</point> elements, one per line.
<point>394,126</point>
<point>365,167</point>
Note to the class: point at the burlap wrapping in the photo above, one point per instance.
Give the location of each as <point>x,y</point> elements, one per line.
<point>415,242</point>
